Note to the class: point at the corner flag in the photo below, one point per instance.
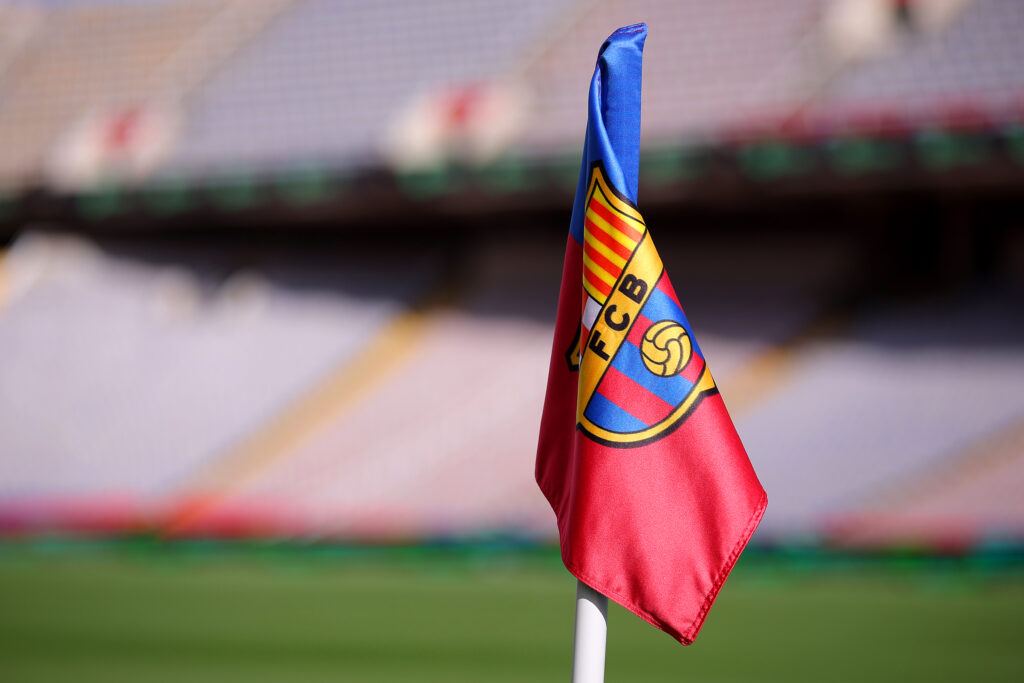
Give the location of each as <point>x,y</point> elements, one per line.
<point>654,495</point>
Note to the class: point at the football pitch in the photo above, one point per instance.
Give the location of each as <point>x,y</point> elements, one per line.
<point>155,616</point>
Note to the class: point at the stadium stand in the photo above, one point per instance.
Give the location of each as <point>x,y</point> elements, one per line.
<point>444,445</point>
<point>18,24</point>
<point>460,463</point>
<point>132,370</point>
<point>969,496</point>
<point>907,386</point>
<point>81,58</point>
<point>967,69</point>
<point>195,380</point>
<point>433,438</point>
<point>323,91</point>
<point>85,57</point>
<point>755,51</point>
<point>321,87</point>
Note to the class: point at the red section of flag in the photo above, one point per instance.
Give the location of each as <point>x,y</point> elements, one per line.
<point>693,369</point>
<point>665,285</point>
<point>656,527</point>
<point>639,329</point>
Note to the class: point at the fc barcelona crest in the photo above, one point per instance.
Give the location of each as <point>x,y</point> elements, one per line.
<point>641,371</point>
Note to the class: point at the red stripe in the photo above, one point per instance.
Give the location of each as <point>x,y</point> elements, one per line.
<point>636,333</point>
<point>693,369</point>
<point>610,218</point>
<point>602,261</point>
<point>596,282</point>
<point>607,240</point>
<point>666,287</point>
<point>642,404</point>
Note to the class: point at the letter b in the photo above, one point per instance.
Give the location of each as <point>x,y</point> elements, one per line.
<point>633,287</point>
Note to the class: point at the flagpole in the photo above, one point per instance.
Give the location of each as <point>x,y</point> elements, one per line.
<point>590,635</point>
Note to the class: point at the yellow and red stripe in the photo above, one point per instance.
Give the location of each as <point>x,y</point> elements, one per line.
<point>609,238</point>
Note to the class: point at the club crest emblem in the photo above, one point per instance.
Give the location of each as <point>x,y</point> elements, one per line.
<point>641,372</point>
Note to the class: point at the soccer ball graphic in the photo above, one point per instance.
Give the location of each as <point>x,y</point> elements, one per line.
<point>666,348</point>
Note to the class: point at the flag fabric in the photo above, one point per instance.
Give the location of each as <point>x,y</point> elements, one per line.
<point>653,492</point>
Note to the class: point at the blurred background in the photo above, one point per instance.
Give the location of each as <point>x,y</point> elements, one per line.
<point>277,289</point>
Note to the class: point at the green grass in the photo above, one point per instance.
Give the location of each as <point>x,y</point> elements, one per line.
<point>112,616</point>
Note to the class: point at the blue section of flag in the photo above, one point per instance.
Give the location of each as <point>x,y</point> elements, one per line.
<point>606,414</point>
<point>613,123</point>
<point>661,307</point>
<point>672,390</point>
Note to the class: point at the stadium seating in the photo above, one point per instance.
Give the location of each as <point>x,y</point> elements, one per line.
<point>370,389</point>
<point>904,389</point>
<point>321,86</point>
<point>133,372</point>
<point>968,497</point>
<point>706,67</point>
<point>82,57</point>
<point>441,444</point>
<point>313,396</point>
<point>968,68</point>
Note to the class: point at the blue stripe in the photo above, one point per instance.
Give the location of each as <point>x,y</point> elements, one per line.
<point>670,389</point>
<point>606,414</point>
<point>661,307</point>
<point>613,121</point>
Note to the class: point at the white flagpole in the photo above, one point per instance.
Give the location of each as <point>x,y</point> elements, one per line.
<point>588,641</point>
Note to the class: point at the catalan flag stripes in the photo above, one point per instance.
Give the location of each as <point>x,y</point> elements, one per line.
<point>609,238</point>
